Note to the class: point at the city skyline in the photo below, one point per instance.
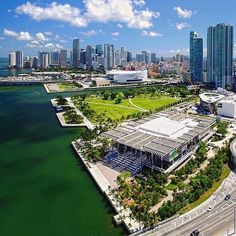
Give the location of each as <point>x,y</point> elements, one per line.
<point>160,27</point>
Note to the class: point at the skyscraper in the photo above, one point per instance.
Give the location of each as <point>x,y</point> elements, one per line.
<point>12,59</point>
<point>220,55</point>
<point>41,58</point>
<point>54,58</point>
<point>19,60</point>
<point>89,56</point>
<point>76,53</point>
<point>63,58</point>
<point>109,56</point>
<point>196,57</point>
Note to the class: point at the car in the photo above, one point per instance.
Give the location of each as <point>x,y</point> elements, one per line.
<point>209,209</point>
<point>227,197</point>
<point>195,233</point>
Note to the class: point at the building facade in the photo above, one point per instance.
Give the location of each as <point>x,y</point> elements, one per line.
<point>196,58</point>
<point>76,53</point>
<point>220,55</point>
<point>19,60</point>
<point>12,59</point>
<point>63,58</point>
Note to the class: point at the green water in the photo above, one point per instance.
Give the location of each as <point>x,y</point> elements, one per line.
<point>44,189</point>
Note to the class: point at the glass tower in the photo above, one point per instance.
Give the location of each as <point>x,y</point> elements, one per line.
<point>196,57</point>
<point>220,55</point>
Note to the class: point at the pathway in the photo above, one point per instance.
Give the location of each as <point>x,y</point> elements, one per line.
<point>140,108</point>
<point>86,121</point>
<point>113,105</point>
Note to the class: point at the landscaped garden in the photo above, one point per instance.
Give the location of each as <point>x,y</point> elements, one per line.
<point>117,106</point>
<point>69,85</point>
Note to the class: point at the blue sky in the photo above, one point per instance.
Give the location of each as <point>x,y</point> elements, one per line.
<point>160,26</point>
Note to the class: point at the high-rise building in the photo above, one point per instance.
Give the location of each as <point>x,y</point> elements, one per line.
<point>45,61</point>
<point>63,58</point>
<point>153,57</point>
<point>109,56</point>
<point>12,59</point>
<point>117,58</point>
<point>220,55</point>
<point>19,60</point>
<point>54,58</point>
<point>129,56</point>
<point>196,57</point>
<point>89,56</point>
<point>41,58</point>
<point>99,50</point>
<point>76,53</point>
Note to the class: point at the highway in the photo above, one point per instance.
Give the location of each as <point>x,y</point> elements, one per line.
<point>210,223</point>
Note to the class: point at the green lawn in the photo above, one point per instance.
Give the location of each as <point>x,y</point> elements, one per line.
<point>66,86</point>
<point>116,111</point>
<point>152,103</point>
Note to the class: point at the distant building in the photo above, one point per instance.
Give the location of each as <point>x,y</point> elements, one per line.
<point>45,61</point>
<point>99,50</point>
<point>54,58</point>
<point>153,57</point>
<point>109,56</point>
<point>220,55</point>
<point>76,53</point>
<point>122,76</point>
<point>196,57</point>
<point>19,60</point>
<point>41,59</point>
<point>89,56</point>
<point>63,58</point>
<point>12,59</point>
<point>34,62</point>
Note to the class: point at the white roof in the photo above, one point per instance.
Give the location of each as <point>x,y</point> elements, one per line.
<point>121,72</point>
<point>211,97</point>
<point>165,127</point>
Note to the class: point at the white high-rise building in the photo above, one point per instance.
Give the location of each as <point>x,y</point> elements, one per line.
<point>117,58</point>
<point>19,60</point>
<point>45,61</point>
<point>12,59</point>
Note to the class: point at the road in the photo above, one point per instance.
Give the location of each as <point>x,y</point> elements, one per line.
<point>213,223</point>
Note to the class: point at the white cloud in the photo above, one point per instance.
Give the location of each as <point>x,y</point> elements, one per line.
<point>151,34</point>
<point>41,37</point>
<point>122,11</point>
<point>23,36</point>
<point>183,13</point>
<point>9,10</point>
<point>139,3</point>
<point>120,26</point>
<point>182,25</point>
<point>53,11</point>
<point>115,34</point>
<point>2,38</point>
<point>90,33</point>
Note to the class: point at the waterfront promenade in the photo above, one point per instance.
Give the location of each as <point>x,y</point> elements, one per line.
<point>123,215</point>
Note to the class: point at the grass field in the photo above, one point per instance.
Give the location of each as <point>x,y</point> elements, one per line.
<point>125,108</point>
<point>152,103</point>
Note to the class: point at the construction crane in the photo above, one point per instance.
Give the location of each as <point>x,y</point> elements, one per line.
<point>194,87</point>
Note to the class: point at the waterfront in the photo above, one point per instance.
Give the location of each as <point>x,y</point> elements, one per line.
<point>44,189</point>
<point>4,71</point>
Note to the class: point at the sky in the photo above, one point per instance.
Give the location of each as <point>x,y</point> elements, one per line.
<point>160,26</point>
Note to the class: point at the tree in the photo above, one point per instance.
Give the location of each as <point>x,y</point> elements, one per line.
<point>61,100</point>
